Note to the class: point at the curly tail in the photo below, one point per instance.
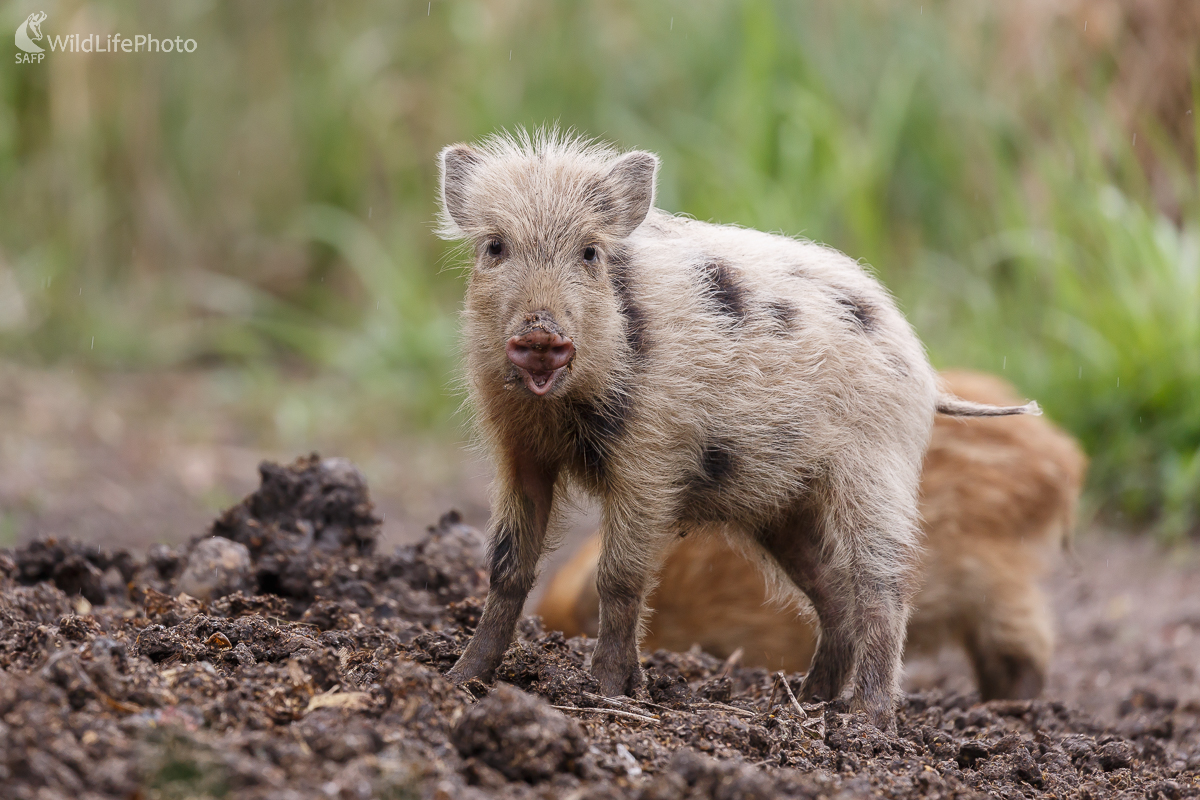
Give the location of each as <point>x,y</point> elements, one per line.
<point>953,406</point>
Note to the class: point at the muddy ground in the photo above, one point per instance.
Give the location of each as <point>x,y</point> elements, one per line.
<point>282,655</point>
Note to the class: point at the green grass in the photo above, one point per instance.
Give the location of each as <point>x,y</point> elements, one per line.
<point>179,768</point>
<point>267,201</point>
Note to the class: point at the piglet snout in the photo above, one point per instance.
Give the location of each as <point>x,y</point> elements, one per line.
<point>540,355</point>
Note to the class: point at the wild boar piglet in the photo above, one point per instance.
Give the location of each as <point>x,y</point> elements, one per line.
<point>685,373</point>
<point>997,497</point>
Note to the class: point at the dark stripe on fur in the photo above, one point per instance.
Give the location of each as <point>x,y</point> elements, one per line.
<point>701,497</point>
<point>598,424</point>
<point>716,462</point>
<point>725,287</point>
<point>784,315</point>
<point>635,316</point>
<point>860,312</point>
<point>501,555</point>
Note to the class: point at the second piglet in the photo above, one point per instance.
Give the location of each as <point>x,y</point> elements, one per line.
<point>685,373</point>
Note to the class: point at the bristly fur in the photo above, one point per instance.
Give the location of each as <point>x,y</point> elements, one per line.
<point>858,312</point>
<point>814,425</point>
<point>998,496</point>
<point>549,144</point>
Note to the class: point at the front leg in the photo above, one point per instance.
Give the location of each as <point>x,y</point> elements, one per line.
<point>628,559</point>
<point>524,496</point>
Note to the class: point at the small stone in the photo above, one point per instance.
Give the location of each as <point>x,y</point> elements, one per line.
<point>219,640</point>
<point>215,568</point>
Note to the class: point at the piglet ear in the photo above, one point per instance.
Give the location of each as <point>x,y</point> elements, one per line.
<point>630,184</point>
<point>457,165</point>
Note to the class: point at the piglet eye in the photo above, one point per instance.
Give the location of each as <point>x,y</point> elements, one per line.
<point>589,254</point>
<point>495,247</point>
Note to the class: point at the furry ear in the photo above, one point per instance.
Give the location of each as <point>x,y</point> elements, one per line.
<point>457,163</point>
<point>630,183</point>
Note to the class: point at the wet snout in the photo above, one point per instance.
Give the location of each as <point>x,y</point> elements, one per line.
<point>540,354</point>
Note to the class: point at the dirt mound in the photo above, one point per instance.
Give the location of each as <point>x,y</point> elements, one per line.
<point>518,736</point>
<point>315,502</point>
<point>315,669</point>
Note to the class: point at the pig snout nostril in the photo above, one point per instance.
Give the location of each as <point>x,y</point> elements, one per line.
<point>540,351</point>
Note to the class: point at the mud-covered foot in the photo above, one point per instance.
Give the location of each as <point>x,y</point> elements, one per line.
<point>471,666</point>
<point>831,667</point>
<point>818,688</point>
<point>487,647</point>
<point>618,678</point>
<point>881,715</point>
<point>1005,676</point>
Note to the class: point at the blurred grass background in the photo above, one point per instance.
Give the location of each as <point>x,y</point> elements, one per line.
<point>1022,176</point>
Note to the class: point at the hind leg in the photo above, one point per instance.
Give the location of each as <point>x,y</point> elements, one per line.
<point>797,546</point>
<point>880,622</point>
<point>857,569</point>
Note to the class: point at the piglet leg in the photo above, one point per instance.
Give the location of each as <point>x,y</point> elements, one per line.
<point>525,493</point>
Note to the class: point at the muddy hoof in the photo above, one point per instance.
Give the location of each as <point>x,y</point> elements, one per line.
<point>465,672</point>
<point>616,681</point>
<point>882,718</point>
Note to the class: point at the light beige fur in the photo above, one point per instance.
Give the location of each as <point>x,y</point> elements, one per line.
<point>720,375</point>
<point>997,497</point>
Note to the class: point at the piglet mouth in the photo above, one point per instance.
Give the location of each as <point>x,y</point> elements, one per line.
<point>540,356</point>
<point>540,382</point>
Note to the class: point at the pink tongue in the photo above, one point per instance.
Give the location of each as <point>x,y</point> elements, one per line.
<point>540,378</point>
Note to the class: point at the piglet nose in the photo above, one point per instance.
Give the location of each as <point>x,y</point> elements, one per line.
<point>540,351</point>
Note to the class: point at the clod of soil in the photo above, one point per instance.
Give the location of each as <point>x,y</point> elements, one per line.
<point>315,502</point>
<point>322,676</point>
<point>216,567</point>
<point>519,736</point>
